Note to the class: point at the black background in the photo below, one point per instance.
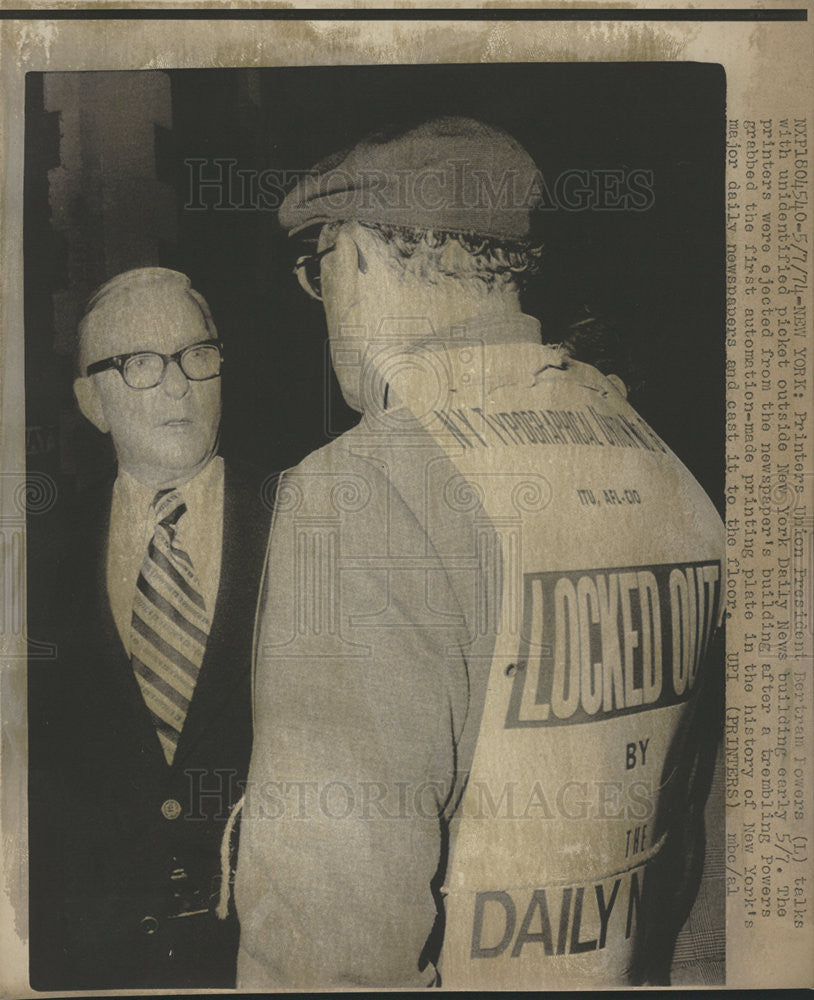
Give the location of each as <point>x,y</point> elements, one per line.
<point>656,274</point>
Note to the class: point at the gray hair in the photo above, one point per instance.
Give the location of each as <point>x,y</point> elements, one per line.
<point>132,279</point>
<point>433,256</point>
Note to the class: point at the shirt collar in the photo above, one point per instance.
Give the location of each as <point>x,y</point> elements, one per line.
<point>476,356</point>
<point>201,488</point>
<point>138,498</point>
<point>494,328</point>
<point>134,496</point>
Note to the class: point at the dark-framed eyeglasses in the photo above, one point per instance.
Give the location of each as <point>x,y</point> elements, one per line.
<point>146,369</point>
<point>308,269</point>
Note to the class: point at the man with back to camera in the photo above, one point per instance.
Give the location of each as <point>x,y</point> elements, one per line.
<point>483,684</point>
<point>141,731</point>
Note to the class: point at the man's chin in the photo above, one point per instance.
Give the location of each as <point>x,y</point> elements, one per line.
<point>171,460</point>
<point>350,393</point>
<point>184,460</point>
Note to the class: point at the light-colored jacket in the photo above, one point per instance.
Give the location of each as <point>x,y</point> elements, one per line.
<point>479,644</point>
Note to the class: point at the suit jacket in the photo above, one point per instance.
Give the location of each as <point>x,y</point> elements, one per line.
<point>125,848</point>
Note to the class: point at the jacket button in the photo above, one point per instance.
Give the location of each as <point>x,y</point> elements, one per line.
<point>149,925</point>
<point>171,809</point>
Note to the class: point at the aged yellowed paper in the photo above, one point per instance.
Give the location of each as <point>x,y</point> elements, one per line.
<point>765,782</point>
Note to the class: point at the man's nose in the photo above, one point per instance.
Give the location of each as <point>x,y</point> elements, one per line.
<point>175,383</point>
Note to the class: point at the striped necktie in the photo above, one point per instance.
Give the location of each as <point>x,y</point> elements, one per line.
<point>170,625</point>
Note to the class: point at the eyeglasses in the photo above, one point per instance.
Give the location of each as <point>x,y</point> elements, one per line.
<point>146,369</point>
<point>308,270</point>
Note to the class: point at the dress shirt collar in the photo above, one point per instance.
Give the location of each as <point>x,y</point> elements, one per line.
<point>200,490</point>
<point>476,357</point>
<point>132,524</point>
<point>137,498</point>
<point>134,497</point>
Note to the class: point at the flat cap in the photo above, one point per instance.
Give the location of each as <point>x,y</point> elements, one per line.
<point>448,174</point>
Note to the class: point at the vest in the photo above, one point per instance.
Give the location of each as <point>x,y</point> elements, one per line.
<point>609,558</point>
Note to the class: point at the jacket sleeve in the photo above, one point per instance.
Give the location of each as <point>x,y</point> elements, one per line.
<point>675,878</point>
<point>360,690</point>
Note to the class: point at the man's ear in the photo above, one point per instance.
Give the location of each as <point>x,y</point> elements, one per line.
<point>618,384</point>
<point>366,247</point>
<point>89,403</point>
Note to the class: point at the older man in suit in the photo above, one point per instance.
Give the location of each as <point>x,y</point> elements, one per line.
<point>141,733</point>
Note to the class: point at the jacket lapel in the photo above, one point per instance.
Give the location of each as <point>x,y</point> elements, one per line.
<point>225,670</point>
<point>103,670</point>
